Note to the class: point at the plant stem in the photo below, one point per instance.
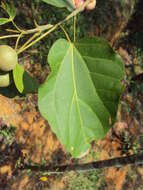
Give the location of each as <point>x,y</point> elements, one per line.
<point>74,25</point>
<point>9,36</point>
<point>17,41</point>
<point>49,26</point>
<point>14,24</point>
<point>38,29</point>
<point>66,34</point>
<point>29,40</point>
<point>52,28</point>
<point>13,31</point>
<point>37,40</point>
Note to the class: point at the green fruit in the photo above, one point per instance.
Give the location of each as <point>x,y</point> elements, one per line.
<point>4,80</point>
<point>8,58</point>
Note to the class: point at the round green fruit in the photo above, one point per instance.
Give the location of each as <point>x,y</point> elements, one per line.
<point>8,58</point>
<point>4,80</point>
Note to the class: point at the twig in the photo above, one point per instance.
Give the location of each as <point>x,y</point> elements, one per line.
<point>9,36</point>
<point>17,41</point>
<point>54,27</point>
<point>74,25</point>
<point>116,162</point>
<point>65,32</point>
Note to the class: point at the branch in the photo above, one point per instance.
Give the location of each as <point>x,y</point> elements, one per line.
<point>48,26</point>
<point>9,36</point>
<point>51,27</point>
<point>117,162</point>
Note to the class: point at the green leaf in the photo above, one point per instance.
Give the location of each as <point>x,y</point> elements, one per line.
<point>72,101</point>
<point>18,72</point>
<point>106,70</point>
<point>23,81</point>
<point>4,21</point>
<point>10,9</point>
<point>61,3</point>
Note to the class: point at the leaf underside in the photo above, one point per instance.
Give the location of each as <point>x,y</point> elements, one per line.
<point>3,21</point>
<point>62,3</point>
<point>81,95</point>
<point>23,81</point>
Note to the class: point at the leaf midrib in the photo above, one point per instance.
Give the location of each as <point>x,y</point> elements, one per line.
<point>75,92</point>
<point>82,100</point>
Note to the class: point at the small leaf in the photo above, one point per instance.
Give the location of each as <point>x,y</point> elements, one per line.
<point>23,81</point>
<point>4,21</point>
<point>10,9</point>
<point>62,3</point>
<point>18,77</point>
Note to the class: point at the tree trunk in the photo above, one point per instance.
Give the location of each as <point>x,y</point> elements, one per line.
<point>110,18</point>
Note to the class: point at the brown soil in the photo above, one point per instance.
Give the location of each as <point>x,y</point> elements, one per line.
<point>38,143</point>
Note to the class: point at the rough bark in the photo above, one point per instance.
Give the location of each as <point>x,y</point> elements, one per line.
<point>110,18</point>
